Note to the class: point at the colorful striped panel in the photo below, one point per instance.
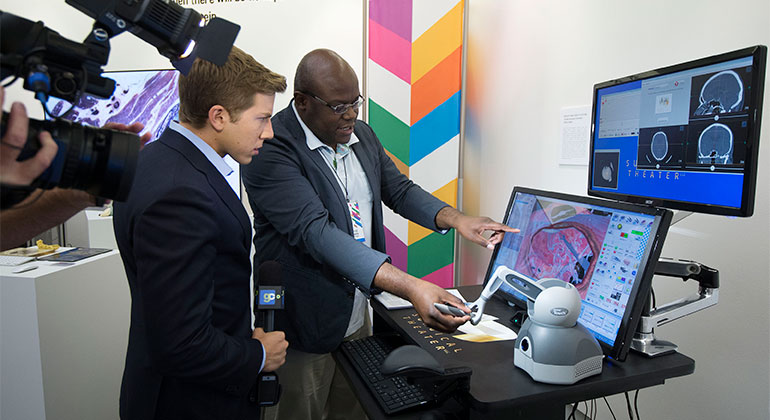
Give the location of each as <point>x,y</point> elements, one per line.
<point>414,81</point>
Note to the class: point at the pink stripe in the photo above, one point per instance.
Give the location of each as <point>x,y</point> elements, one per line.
<point>395,15</point>
<point>390,51</point>
<point>396,249</point>
<point>443,277</point>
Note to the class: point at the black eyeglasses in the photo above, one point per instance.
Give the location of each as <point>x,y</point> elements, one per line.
<point>341,108</point>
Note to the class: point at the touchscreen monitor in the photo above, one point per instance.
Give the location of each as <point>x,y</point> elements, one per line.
<point>607,250</point>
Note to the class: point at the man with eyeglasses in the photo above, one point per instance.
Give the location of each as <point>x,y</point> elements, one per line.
<point>317,190</point>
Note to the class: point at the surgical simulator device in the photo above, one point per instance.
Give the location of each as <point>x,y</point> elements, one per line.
<point>552,347</point>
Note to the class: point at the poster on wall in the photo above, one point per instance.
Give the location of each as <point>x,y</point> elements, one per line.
<point>574,125</point>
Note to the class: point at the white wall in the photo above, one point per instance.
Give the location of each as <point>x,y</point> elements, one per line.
<point>533,58</point>
<point>276,33</point>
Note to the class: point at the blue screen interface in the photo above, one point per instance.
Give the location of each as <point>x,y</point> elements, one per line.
<point>681,136</point>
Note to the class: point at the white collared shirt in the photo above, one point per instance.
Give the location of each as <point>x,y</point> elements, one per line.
<point>355,186</point>
<point>218,161</point>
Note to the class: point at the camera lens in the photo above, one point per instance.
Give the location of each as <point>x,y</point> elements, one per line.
<point>99,161</point>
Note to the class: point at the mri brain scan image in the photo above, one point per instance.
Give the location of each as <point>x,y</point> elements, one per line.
<point>722,92</point>
<point>715,145</point>
<point>607,172</point>
<point>659,146</point>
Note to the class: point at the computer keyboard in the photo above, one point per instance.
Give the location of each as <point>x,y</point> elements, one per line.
<point>11,260</point>
<point>393,394</point>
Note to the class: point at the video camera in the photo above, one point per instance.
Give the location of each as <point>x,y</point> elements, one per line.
<point>97,160</point>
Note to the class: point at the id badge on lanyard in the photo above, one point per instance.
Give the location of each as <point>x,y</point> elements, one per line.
<point>355,220</point>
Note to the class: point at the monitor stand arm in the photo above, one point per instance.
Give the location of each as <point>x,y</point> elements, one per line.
<point>644,340</point>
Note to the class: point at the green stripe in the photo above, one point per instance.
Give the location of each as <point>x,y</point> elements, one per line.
<point>392,132</point>
<point>431,253</point>
<point>636,232</point>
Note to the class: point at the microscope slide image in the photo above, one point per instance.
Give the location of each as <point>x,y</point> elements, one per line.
<point>562,241</point>
<point>718,145</point>
<point>147,96</point>
<point>720,93</point>
<point>606,167</point>
<point>661,147</point>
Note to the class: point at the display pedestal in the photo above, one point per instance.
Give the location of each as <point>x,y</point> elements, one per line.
<point>89,230</point>
<point>63,337</point>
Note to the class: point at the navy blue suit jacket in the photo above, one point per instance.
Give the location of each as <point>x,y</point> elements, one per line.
<point>184,235</point>
<point>302,220</point>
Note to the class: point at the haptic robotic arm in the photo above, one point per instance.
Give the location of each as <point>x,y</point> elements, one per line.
<point>521,283</point>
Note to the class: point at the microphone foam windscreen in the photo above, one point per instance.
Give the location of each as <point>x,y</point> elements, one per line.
<point>270,274</point>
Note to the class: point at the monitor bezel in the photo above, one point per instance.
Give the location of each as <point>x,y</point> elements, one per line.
<point>641,291</point>
<point>759,55</point>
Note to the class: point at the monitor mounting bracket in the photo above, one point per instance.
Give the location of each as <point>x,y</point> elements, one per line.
<point>644,340</point>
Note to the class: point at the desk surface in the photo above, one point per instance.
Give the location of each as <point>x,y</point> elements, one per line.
<point>49,267</point>
<point>498,386</point>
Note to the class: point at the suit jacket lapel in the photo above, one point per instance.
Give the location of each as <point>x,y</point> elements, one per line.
<point>217,182</point>
<point>299,134</point>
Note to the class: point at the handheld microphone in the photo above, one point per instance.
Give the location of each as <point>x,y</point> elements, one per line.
<point>270,293</point>
<point>269,298</point>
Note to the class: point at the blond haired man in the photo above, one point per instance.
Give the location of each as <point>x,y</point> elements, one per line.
<point>184,237</point>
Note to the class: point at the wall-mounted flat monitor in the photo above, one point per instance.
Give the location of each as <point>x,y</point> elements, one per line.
<point>684,137</point>
<point>608,250</point>
<point>147,96</point>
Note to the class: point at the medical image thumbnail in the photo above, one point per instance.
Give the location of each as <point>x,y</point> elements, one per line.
<point>722,92</point>
<point>661,147</point>
<point>718,145</point>
<point>605,173</point>
<point>562,241</point>
<point>149,97</point>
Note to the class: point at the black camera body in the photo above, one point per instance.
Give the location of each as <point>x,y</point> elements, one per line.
<point>99,161</point>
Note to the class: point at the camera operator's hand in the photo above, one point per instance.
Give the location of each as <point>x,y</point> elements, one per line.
<point>275,345</point>
<point>13,172</point>
<point>135,128</point>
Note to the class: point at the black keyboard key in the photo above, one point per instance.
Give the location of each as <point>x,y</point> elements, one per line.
<point>393,394</point>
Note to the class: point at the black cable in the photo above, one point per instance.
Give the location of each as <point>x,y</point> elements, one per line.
<point>610,408</point>
<point>15,78</point>
<point>586,413</point>
<point>76,99</point>
<point>652,293</point>
<point>628,405</point>
<point>636,407</point>
<point>572,413</point>
<point>21,64</point>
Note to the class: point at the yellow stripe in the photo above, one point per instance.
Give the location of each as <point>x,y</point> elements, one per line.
<point>437,42</point>
<point>447,194</point>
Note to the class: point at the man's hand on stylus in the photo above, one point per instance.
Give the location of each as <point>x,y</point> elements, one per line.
<point>424,294</point>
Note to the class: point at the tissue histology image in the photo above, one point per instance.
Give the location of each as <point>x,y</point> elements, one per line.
<point>562,242</point>
<point>150,97</point>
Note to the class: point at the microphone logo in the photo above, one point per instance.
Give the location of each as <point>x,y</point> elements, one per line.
<point>270,297</point>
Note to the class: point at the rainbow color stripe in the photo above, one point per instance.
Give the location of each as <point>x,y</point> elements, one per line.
<point>414,80</point>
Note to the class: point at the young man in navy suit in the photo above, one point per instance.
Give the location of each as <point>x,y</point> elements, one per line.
<point>184,237</point>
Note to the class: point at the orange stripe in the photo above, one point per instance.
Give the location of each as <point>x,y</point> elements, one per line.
<point>440,83</point>
<point>402,167</point>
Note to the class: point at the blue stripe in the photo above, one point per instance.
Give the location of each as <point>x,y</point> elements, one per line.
<point>434,129</point>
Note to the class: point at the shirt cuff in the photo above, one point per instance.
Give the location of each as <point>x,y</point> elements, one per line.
<point>264,357</point>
